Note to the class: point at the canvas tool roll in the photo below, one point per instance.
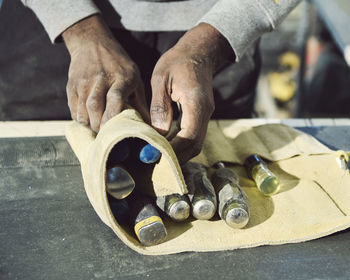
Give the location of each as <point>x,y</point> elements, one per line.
<point>313,200</point>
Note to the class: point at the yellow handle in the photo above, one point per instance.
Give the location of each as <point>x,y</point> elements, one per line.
<point>146,222</point>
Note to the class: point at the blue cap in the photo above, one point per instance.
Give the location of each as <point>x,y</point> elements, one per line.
<point>149,154</point>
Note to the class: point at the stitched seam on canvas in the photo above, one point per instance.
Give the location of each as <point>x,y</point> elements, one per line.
<point>329,196</point>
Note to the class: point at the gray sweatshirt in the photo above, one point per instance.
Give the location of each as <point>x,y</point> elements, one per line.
<point>240,21</point>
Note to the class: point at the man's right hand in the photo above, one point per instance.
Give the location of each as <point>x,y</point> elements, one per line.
<point>102,78</point>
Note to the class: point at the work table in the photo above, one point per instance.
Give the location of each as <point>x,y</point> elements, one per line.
<point>49,230</point>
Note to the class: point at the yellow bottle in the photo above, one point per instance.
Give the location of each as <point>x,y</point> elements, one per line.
<point>266,181</point>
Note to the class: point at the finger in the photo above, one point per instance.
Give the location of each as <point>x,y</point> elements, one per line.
<point>72,98</point>
<point>194,122</point>
<point>95,104</point>
<point>82,114</point>
<point>186,149</point>
<point>138,101</point>
<point>114,104</point>
<point>161,110</point>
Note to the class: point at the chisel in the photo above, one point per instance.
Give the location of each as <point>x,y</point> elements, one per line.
<point>176,206</point>
<point>233,202</point>
<point>144,218</point>
<point>119,182</point>
<point>201,191</point>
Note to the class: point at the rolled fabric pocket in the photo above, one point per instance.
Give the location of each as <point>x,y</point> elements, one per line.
<point>93,151</point>
<point>226,141</point>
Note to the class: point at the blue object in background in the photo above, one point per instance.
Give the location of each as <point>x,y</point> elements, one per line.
<point>0,3</point>
<point>149,154</point>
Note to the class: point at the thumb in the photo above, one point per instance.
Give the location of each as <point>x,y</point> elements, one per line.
<point>161,110</point>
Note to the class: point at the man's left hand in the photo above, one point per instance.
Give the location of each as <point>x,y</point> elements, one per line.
<point>184,75</point>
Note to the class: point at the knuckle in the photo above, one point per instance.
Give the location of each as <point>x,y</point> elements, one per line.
<point>71,105</point>
<point>93,103</point>
<point>160,105</point>
<point>70,87</point>
<point>83,87</point>
<point>115,95</point>
<point>134,70</point>
<point>128,73</point>
<point>159,108</point>
<point>124,81</point>
<point>129,82</point>
<point>82,119</point>
<point>103,78</point>
<point>72,73</point>
<point>102,75</point>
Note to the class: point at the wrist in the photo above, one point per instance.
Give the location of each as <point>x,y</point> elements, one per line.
<point>85,30</point>
<point>207,44</point>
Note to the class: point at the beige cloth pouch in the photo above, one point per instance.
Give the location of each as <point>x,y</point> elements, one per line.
<point>313,201</point>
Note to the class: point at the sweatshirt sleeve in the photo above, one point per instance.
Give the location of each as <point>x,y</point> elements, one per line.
<point>242,22</point>
<point>57,15</point>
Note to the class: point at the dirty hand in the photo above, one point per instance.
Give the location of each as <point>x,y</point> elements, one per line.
<point>102,78</point>
<point>184,75</point>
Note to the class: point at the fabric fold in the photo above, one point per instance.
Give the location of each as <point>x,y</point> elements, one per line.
<point>312,202</point>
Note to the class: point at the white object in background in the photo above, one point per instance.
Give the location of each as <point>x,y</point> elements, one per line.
<point>347,54</point>
<point>32,128</point>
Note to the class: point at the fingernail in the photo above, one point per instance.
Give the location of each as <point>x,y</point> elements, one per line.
<point>82,121</point>
<point>160,127</point>
<point>149,154</point>
<point>156,123</point>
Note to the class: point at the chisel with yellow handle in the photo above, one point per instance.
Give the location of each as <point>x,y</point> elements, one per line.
<point>145,220</point>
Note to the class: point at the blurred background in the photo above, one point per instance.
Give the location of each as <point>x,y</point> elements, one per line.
<point>304,70</point>
<point>304,67</point>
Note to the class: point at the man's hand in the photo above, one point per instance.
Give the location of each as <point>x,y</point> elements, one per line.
<point>102,78</point>
<point>184,75</point>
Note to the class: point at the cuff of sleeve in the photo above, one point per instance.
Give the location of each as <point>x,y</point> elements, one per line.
<point>240,22</point>
<point>56,16</point>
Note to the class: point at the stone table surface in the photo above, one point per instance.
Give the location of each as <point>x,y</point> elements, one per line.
<point>48,229</point>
